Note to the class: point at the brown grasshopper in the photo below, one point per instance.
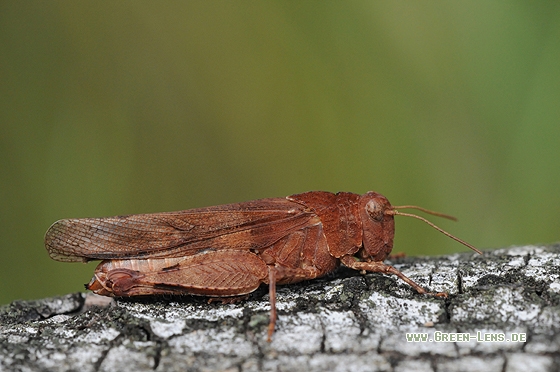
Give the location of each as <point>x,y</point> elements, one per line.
<point>227,251</point>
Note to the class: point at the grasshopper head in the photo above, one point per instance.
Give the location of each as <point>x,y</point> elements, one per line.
<point>378,226</point>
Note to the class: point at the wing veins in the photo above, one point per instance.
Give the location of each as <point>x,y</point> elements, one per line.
<point>134,237</point>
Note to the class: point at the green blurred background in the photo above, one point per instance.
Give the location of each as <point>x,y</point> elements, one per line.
<point>111,108</point>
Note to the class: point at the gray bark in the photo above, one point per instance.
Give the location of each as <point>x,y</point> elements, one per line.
<point>346,322</point>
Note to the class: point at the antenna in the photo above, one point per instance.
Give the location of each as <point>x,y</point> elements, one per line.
<point>434,213</point>
<point>394,211</point>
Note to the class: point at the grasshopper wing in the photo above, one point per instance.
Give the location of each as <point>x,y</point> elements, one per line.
<point>243,226</point>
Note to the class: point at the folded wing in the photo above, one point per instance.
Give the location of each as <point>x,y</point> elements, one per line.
<point>243,226</point>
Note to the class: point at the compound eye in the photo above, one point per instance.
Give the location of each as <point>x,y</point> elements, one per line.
<point>374,210</point>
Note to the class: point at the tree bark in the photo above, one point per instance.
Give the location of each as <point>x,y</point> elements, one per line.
<point>502,314</point>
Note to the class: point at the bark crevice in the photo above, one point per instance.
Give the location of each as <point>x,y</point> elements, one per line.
<point>346,321</point>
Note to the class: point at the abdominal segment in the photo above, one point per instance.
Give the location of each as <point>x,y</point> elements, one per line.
<point>209,273</point>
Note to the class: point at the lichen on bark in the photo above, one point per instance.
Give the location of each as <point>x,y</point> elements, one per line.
<point>346,321</point>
